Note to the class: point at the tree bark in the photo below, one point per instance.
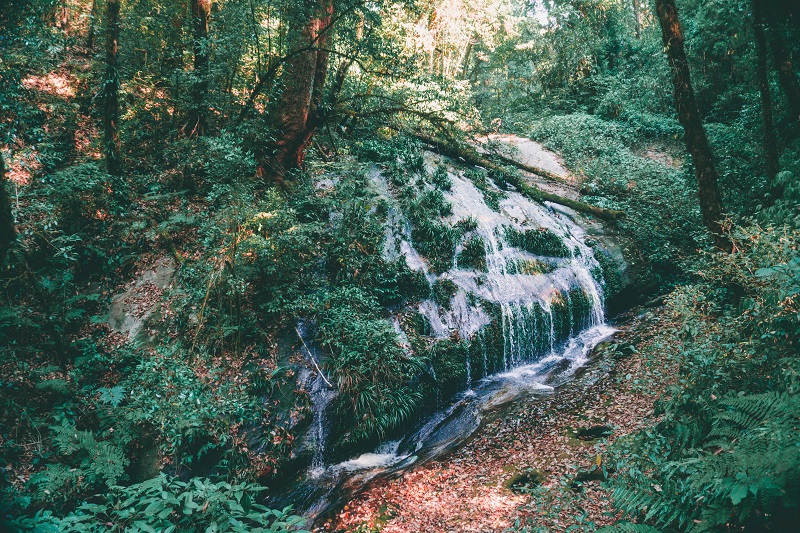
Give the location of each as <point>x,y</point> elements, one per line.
<point>689,117</point>
<point>637,25</point>
<point>299,106</point>
<point>111,148</point>
<point>90,35</point>
<point>201,12</point>
<point>771,155</point>
<point>463,63</point>
<point>783,64</point>
<point>7,231</point>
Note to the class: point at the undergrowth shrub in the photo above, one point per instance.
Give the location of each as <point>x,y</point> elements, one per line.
<point>368,365</point>
<point>725,452</point>
<point>541,241</point>
<point>171,505</point>
<point>443,291</point>
<point>620,172</point>
<point>473,254</point>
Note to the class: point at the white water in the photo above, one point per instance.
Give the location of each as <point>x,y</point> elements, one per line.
<point>531,348</point>
<point>321,397</point>
<point>383,456</point>
<point>528,333</point>
<point>535,357</point>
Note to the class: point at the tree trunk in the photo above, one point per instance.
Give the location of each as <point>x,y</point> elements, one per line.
<point>7,231</point>
<point>298,110</point>
<point>90,35</point>
<point>463,63</point>
<point>770,139</point>
<point>689,117</point>
<point>783,64</point>
<point>111,147</point>
<point>637,25</point>
<point>196,124</point>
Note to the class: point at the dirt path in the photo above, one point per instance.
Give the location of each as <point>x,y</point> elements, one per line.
<point>470,490</point>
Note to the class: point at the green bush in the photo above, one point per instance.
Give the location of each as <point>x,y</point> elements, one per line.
<point>368,365</point>
<point>724,453</point>
<point>443,292</point>
<point>441,178</point>
<point>540,241</point>
<point>171,505</point>
<point>473,254</point>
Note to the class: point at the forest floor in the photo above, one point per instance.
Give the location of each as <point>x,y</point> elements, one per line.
<point>471,489</point>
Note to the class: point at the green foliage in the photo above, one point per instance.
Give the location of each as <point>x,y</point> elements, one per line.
<point>628,527</point>
<point>443,291</point>
<point>171,505</point>
<point>619,176</point>
<point>441,178</point>
<point>473,254</point>
<point>725,450</point>
<point>541,241</point>
<point>608,274</point>
<point>84,198</point>
<point>279,254</point>
<point>529,267</point>
<point>368,364</point>
<point>448,358</point>
<point>101,464</point>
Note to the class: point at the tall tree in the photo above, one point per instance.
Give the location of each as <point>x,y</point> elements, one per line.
<point>771,155</point>
<point>201,12</point>
<point>783,64</point>
<point>299,107</point>
<point>90,34</point>
<point>689,117</point>
<point>111,147</point>
<point>7,231</point>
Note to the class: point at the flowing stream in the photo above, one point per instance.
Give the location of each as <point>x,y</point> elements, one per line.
<point>550,311</point>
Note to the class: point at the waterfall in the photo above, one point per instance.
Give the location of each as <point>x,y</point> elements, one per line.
<point>540,301</point>
<point>538,311</point>
<point>531,318</point>
<point>321,396</point>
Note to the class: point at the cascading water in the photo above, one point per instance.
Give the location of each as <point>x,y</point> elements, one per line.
<point>321,396</point>
<point>532,319</point>
<point>539,311</point>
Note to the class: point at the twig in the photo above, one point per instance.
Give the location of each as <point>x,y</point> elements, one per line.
<point>311,356</point>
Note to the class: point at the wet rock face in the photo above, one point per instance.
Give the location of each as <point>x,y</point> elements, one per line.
<point>523,280</point>
<point>536,277</point>
<point>130,312</point>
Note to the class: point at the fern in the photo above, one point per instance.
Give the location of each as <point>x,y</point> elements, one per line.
<point>713,463</point>
<point>168,504</point>
<point>628,527</point>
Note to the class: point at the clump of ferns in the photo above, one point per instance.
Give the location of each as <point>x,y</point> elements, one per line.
<point>745,469</point>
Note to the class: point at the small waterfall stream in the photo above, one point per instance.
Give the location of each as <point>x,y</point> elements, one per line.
<point>527,301</point>
<point>549,310</point>
<point>321,396</point>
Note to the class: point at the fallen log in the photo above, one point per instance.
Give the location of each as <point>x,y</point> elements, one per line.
<point>552,176</point>
<point>471,156</point>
